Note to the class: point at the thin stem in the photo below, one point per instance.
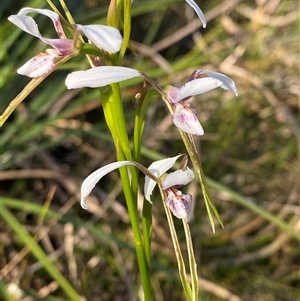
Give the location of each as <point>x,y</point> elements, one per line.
<point>143,102</point>
<point>192,261</point>
<point>126,29</point>
<point>193,154</point>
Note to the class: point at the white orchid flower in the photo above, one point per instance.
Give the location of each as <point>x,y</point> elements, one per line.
<point>185,117</point>
<point>180,204</point>
<point>104,37</point>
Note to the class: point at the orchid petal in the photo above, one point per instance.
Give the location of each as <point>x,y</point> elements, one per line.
<point>186,120</point>
<point>99,76</point>
<point>178,177</point>
<point>27,24</point>
<point>39,65</point>
<point>105,37</point>
<point>187,200</point>
<point>48,13</point>
<point>227,83</point>
<point>195,87</point>
<point>180,204</point>
<point>158,168</point>
<point>89,183</point>
<point>64,46</point>
<point>198,11</point>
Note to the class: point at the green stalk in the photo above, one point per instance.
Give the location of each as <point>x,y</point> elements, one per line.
<point>139,123</point>
<point>192,261</point>
<point>147,230</point>
<point>38,253</point>
<point>114,115</point>
<point>127,28</point>
<point>193,154</point>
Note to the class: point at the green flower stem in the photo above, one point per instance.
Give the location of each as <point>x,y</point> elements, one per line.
<point>38,253</point>
<point>181,265</point>
<point>126,28</point>
<point>114,115</point>
<point>192,261</point>
<point>133,214</point>
<point>147,230</point>
<point>139,122</point>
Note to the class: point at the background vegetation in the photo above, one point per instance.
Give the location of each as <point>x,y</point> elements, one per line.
<point>249,152</point>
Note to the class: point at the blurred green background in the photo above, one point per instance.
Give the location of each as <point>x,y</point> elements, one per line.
<point>56,137</point>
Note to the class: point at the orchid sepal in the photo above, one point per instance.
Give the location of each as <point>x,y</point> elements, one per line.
<point>100,76</point>
<point>177,178</point>
<point>89,183</point>
<point>227,82</point>
<point>27,24</point>
<point>198,11</point>
<point>105,37</point>
<point>158,168</point>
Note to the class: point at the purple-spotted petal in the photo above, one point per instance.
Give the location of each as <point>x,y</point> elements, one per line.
<point>100,76</point>
<point>39,65</point>
<point>198,11</point>
<point>180,204</point>
<point>105,37</point>
<point>178,177</point>
<point>186,120</point>
<point>227,83</point>
<point>158,168</point>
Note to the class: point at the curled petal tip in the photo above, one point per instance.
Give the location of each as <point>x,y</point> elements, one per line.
<point>89,183</point>
<point>227,82</point>
<point>198,11</point>
<point>83,204</point>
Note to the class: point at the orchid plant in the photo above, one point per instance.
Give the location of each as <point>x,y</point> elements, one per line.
<point>105,49</point>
